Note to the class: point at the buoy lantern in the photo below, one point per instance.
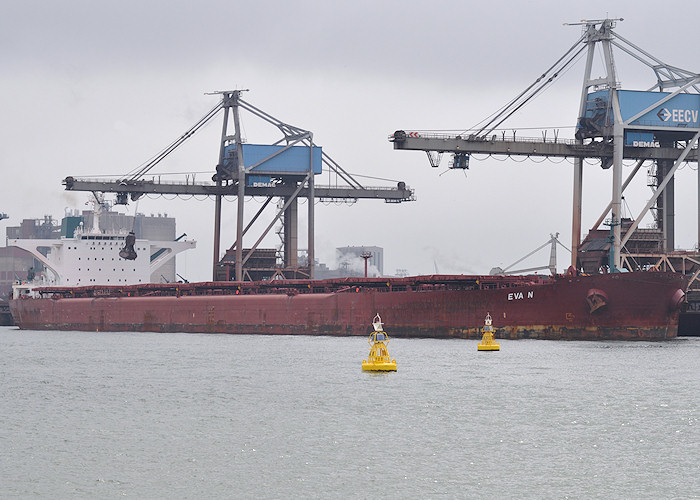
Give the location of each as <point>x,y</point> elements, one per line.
<point>378,359</point>
<point>487,341</point>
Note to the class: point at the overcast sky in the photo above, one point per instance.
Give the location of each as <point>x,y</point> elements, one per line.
<point>95,88</point>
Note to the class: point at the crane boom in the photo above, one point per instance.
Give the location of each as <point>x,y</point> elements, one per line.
<point>556,148</point>
<point>137,188</point>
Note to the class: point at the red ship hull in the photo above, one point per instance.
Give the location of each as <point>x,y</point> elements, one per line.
<point>621,306</point>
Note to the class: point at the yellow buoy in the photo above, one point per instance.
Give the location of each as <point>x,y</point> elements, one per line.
<point>487,342</point>
<point>378,359</point>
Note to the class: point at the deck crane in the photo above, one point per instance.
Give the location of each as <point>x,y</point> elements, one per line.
<point>664,118</point>
<point>553,241</point>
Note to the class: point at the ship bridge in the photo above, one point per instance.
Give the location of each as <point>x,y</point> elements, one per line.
<point>89,259</point>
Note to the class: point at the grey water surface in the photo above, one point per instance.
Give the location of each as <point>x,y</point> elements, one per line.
<point>149,415</point>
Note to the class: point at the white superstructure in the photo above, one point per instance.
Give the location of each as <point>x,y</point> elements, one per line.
<point>92,258</point>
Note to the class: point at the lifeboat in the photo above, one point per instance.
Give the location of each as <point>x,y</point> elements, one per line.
<point>378,359</point>
<point>487,341</point>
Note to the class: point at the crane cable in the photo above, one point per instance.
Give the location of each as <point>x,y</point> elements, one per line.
<point>515,100</point>
<point>142,170</point>
<point>532,95</point>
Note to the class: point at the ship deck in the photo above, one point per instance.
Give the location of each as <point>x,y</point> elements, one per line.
<point>295,287</point>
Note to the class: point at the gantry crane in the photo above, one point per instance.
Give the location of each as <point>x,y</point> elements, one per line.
<point>660,125</point>
<point>285,169</point>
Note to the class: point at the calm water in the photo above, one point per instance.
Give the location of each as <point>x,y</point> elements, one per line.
<point>145,415</point>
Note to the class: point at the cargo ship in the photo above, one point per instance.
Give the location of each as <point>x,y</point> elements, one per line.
<point>614,306</point>
<point>101,281</point>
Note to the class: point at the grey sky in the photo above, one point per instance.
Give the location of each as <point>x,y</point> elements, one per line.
<point>96,88</point>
